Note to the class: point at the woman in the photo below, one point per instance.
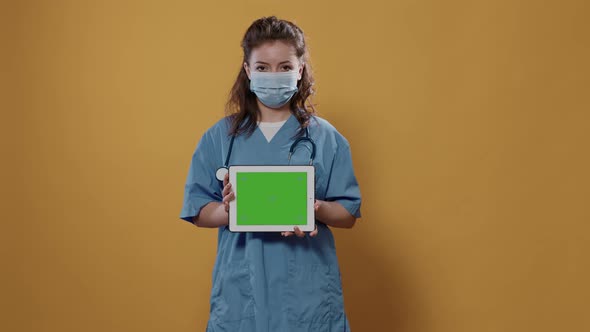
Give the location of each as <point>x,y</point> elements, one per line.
<point>287,281</point>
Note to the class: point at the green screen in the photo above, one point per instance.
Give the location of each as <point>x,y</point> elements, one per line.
<point>271,198</point>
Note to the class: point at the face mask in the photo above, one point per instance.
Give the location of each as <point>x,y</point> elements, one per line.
<point>274,89</point>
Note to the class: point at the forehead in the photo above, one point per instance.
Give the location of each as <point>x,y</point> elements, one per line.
<point>273,52</point>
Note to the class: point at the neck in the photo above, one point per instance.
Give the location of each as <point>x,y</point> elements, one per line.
<point>273,114</point>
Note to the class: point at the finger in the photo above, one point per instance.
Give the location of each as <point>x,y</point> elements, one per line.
<point>316,206</point>
<point>314,232</point>
<point>229,197</point>
<point>299,232</point>
<point>225,179</point>
<point>286,234</point>
<point>226,189</point>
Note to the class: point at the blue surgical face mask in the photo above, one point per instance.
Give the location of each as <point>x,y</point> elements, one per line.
<point>274,89</point>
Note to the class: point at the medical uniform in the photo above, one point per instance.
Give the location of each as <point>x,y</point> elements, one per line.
<point>262,281</point>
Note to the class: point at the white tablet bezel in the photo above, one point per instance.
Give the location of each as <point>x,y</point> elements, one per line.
<point>309,169</point>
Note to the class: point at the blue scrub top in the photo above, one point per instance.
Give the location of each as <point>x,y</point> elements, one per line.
<point>263,282</point>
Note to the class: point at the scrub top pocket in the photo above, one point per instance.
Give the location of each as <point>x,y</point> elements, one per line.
<point>313,296</point>
<point>232,296</point>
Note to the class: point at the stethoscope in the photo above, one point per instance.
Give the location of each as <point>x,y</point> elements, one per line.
<point>222,171</point>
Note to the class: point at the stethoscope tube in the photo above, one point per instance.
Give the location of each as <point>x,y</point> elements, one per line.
<point>307,138</point>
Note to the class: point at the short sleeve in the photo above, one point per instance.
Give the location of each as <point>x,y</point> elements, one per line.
<point>201,185</point>
<point>342,184</point>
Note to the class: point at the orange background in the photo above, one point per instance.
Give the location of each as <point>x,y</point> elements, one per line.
<point>469,126</point>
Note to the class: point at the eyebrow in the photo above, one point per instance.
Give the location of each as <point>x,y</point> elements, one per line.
<point>280,63</point>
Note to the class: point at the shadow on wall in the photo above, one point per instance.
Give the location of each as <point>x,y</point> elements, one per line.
<point>380,293</point>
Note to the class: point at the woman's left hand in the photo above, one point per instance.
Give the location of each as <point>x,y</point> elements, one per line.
<point>301,233</point>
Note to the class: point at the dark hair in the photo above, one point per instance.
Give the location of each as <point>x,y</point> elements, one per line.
<point>241,103</point>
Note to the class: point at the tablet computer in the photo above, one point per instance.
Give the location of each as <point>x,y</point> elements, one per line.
<point>272,198</point>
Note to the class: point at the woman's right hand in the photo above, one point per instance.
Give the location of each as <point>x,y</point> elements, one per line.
<point>228,193</point>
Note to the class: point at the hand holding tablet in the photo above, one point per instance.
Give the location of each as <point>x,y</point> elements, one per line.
<point>271,198</point>
<point>228,193</point>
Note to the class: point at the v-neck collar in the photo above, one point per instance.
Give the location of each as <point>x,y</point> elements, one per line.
<point>281,132</point>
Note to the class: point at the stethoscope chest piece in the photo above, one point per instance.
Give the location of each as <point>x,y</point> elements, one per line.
<point>221,172</point>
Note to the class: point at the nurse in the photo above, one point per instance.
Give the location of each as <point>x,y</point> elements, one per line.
<point>271,281</point>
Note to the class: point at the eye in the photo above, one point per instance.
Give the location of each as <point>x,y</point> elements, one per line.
<point>287,68</point>
<point>260,68</point>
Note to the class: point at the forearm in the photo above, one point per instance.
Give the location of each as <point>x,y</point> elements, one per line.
<point>335,215</point>
<point>212,215</point>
